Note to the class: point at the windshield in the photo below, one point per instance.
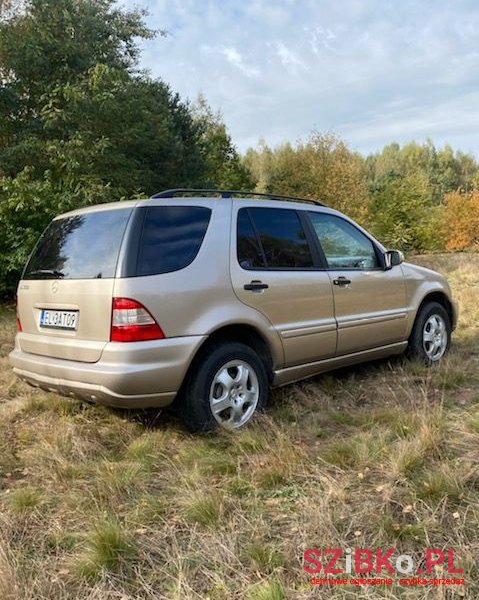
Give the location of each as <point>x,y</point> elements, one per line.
<point>79,247</point>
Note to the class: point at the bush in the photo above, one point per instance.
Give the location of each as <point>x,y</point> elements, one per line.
<point>461,220</point>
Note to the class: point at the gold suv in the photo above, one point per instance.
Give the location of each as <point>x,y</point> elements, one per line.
<point>212,297</point>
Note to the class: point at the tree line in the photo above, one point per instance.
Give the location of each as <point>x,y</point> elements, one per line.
<point>415,197</point>
<point>81,123</point>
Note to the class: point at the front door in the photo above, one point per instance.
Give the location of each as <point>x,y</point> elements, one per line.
<point>274,270</point>
<point>370,302</point>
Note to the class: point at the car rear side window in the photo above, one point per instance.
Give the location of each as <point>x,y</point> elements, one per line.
<point>84,246</point>
<point>171,238</point>
<point>272,238</point>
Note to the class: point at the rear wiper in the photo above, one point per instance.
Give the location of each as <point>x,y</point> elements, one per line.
<point>54,272</point>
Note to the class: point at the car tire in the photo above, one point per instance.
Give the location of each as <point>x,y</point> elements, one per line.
<point>227,386</point>
<point>430,339</point>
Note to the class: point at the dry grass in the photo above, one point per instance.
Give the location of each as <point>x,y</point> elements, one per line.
<point>103,505</point>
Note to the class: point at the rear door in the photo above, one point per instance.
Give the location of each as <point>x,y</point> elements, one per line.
<point>275,270</point>
<point>65,295</point>
<point>370,302</point>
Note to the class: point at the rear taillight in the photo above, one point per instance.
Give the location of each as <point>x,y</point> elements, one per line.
<point>131,322</point>
<point>19,323</point>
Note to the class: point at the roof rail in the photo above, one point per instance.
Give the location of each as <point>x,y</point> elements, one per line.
<point>230,193</point>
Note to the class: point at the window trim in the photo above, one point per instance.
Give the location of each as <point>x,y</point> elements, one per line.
<point>315,255</point>
<point>320,257</point>
<point>377,251</point>
<point>256,235</point>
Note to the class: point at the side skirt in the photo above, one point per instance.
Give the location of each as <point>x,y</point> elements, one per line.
<point>298,372</point>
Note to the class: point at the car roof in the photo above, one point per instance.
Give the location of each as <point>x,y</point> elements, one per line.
<point>99,207</point>
<point>188,201</point>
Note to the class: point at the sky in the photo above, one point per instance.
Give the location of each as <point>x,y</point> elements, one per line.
<point>371,71</point>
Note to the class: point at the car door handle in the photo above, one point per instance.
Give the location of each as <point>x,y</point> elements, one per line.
<point>342,281</point>
<point>256,286</point>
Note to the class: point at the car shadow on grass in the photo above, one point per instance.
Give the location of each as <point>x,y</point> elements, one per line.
<point>337,383</point>
<point>170,417</point>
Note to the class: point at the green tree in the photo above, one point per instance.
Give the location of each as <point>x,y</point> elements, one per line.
<point>259,161</point>
<point>323,167</point>
<point>81,124</point>
<point>224,168</point>
<point>444,169</point>
<point>402,214</point>
<point>408,186</point>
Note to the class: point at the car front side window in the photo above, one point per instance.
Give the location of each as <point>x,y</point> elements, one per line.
<point>344,246</point>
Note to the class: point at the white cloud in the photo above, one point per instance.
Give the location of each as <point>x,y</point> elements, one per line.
<point>288,58</point>
<point>235,58</point>
<point>371,70</point>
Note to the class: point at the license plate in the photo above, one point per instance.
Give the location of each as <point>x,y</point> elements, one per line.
<point>59,319</point>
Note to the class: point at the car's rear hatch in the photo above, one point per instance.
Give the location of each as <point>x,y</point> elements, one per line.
<point>65,295</point>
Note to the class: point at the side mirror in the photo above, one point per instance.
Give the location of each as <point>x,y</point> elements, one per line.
<point>392,258</point>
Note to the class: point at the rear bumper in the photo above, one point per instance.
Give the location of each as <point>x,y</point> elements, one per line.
<point>129,375</point>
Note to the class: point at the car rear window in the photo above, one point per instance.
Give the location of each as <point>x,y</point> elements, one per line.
<point>82,246</point>
<point>171,238</point>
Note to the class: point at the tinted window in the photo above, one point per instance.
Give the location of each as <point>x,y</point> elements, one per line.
<point>344,246</point>
<point>250,254</point>
<point>171,238</point>
<point>79,247</point>
<point>282,239</point>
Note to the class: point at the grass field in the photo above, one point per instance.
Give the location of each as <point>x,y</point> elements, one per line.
<point>105,505</point>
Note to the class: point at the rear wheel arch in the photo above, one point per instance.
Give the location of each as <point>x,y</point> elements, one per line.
<point>242,333</point>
